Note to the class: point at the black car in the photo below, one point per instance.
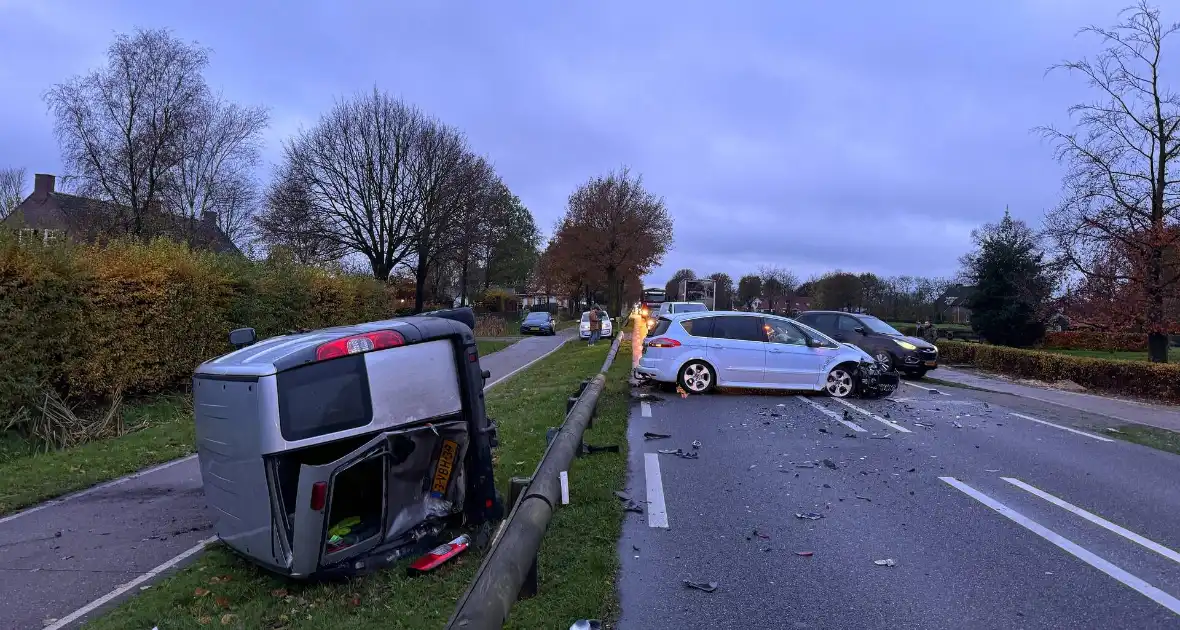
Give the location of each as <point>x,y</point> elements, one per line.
<point>908,355</point>
<point>538,323</point>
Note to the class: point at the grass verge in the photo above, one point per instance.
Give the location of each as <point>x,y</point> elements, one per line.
<point>167,434</point>
<point>577,565</point>
<point>1161,439</point>
<point>487,347</point>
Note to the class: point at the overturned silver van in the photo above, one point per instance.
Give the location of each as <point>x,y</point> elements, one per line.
<point>342,450</point>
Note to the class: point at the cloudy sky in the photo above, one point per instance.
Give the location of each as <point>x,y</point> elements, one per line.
<point>861,135</point>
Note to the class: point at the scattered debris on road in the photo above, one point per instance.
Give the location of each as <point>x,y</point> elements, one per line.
<point>850,435</point>
<point>629,504</point>
<point>646,397</point>
<point>707,587</point>
<point>648,435</point>
<point>887,562</point>
<point>760,535</point>
<point>922,424</point>
<point>805,554</point>
<point>830,464</point>
<point>1112,430</point>
<point>823,430</point>
<point>880,437</point>
<point>956,423</point>
<point>696,444</point>
<point>679,452</point>
<point>810,516</point>
<point>991,470</point>
<point>805,465</point>
<point>864,498</point>
<point>934,391</point>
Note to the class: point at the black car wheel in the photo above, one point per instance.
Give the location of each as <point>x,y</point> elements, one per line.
<point>841,381</point>
<point>884,358</point>
<point>696,377</point>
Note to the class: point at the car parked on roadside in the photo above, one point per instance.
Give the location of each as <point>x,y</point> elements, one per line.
<point>538,323</point>
<point>911,356</point>
<point>702,350</point>
<point>608,330</point>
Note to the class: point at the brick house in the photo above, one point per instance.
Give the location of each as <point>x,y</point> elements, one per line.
<point>48,215</point>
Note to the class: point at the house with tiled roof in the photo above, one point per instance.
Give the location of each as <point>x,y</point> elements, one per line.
<point>952,304</point>
<point>48,215</point>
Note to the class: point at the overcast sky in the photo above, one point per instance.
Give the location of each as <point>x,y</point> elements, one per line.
<point>861,135</point>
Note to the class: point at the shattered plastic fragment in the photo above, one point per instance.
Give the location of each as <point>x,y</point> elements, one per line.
<point>707,587</point>
<point>887,562</point>
<point>587,624</point>
<point>696,444</point>
<point>648,435</point>
<point>830,464</point>
<point>805,554</point>
<point>810,516</point>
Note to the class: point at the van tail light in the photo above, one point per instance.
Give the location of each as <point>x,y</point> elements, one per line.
<point>319,495</point>
<point>378,340</point>
<point>663,342</point>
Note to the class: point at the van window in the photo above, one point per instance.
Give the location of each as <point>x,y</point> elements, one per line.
<point>661,327</point>
<point>324,397</point>
<point>699,327</point>
<point>739,327</point>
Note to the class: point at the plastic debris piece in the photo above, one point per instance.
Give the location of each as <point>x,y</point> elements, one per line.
<point>1112,430</point>
<point>864,498</point>
<point>696,444</point>
<point>957,425</point>
<point>830,464</point>
<point>880,437</point>
<point>805,554</point>
<point>887,562</point>
<point>648,435</point>
<point>668,451</point>
<point>935,391</point>
<point>850,435</point>
<point>680,390</point>
<point>887,414</point>
<point>991,470</point>
<point>809,516</point>
<point>623,496</point>
<point>587,624</point>
<point>823,430</point>
<point>805,465</point>
<point>707,587</point>
<point>761,535</point>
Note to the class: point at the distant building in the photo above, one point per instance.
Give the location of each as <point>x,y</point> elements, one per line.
<point>48,215</point>
<point>952,304</point>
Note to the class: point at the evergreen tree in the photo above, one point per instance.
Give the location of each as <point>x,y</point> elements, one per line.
<point>1012,283</point>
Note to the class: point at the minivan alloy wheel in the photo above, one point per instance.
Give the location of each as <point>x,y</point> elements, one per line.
<point>884,359</point>
<point>697,377</point>
<point>839,383</point>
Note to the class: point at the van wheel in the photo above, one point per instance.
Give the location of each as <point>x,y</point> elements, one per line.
<point>840,383</point>
<point>696,377</point>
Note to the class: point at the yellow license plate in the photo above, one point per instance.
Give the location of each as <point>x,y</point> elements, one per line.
<point>446,465</point>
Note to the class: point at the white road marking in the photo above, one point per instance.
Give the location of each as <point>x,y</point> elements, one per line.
<point>892,425</point>
<point>657,511</point>
<point>1077,551</point>
<point>645,409</point>
<point>92,490</point>
<point>1058,426</point>
<point>929,389</point>
<point>1097,520</point>
<point>88,608</point>
<point>564,478</point>
<point>833,415</point>
<point>525,366</point>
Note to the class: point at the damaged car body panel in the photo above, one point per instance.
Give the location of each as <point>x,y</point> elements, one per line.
<point>337,450</point>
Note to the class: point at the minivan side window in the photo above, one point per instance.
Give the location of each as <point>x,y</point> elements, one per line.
<point>661,327</point>
<point>739,327</point>
<point>699,327</point>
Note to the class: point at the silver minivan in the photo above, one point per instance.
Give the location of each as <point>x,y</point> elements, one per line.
<point>344,449</point>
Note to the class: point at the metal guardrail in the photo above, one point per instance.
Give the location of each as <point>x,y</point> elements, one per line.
<point>509,570</point>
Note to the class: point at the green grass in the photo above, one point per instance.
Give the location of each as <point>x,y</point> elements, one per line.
<point>1173,354</point>
<point>1161,439</point>
<point>487,347</point>
<point>32,478</point>
<point>577,564</point>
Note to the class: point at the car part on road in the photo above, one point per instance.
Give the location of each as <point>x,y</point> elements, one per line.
<point>648,435</point>
<point>707,587</point>
<point>809,516</point>
<point>830,464</point>
<point>887,562</point>
<point>696,444</point>
<point>805,554</point>
<point>679,452</point>
<point>438,556</point>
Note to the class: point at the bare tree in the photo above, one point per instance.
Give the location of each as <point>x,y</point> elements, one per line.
<point>777,284</point>
<point>289,221</point>
<point>354,168</point>
<point>218,154</point>
<point>13,182</point>
<point>119,125</point>
<point>1122,195</point>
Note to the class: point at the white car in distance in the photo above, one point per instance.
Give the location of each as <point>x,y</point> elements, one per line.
<point>584,326</point>
<point>702,350</point>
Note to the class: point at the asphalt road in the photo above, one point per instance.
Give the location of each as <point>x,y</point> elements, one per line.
<point>58,558</point>
<point>958,503</point>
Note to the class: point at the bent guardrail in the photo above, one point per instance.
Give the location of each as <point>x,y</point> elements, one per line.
<point>509,570</point>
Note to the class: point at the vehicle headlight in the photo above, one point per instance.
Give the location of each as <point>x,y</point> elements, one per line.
<point>905,344</point>
<point>936,348</point>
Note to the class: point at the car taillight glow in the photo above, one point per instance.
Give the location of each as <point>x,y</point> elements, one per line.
<point>366,342</point>
<point>319,495</point>
<point>663,342</point>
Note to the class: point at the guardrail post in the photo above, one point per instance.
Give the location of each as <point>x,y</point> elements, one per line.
<point>516,487</point>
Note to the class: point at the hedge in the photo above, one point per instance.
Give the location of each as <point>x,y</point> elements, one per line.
<point>1159,381</point>
<point>89,321</point>
<point>1095,340</point>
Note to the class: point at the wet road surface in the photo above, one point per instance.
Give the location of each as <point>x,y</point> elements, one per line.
<point>997,512</point>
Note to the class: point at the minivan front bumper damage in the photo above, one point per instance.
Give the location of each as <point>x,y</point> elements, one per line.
<point>876,382</point>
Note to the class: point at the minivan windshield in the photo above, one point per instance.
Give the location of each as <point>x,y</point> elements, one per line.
<point>879,327</point>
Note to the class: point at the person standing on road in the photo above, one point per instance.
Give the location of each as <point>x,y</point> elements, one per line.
<point>595,325</point>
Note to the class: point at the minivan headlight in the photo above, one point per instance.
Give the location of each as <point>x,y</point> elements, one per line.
<point>905,344</point>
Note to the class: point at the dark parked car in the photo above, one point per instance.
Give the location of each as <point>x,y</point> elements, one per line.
<point>538,323</point>
<point>909,355</point>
